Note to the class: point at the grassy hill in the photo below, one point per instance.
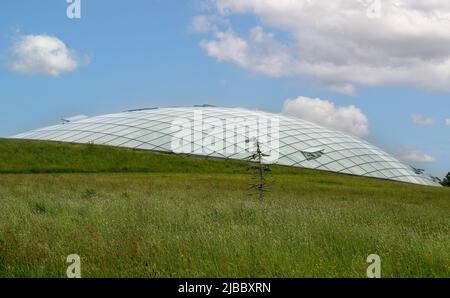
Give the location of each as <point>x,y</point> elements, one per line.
<point>141,214</point>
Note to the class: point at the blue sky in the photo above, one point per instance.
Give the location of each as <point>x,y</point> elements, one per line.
<point>147,53</point>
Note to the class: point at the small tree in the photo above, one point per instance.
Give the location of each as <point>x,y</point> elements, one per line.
<point>260,170</point>
<point>446,180</point>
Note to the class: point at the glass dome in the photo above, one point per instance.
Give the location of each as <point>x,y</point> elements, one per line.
<point>227,133</point>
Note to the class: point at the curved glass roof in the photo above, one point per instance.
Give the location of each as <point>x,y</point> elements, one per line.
<point>229,133</point>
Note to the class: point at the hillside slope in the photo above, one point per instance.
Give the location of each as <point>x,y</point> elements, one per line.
<point>141,214</point>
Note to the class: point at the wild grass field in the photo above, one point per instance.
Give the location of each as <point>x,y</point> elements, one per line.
<point>144,214</point>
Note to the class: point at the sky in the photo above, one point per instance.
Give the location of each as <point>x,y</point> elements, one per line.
<point>378,69</point>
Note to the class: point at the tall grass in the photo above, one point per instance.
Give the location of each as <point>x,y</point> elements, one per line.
<point>164,222</point>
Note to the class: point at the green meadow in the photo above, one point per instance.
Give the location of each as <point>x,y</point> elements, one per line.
<point>130,213</point>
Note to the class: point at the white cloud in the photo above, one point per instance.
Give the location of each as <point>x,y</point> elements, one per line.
<point>261,53</point>
<point>347,119</point>
<point>421,120</point>
<point>42,55</point>
<point>203,24</point>
<point>347,89</point>
<point>447,121</point>
<point>343,43</point>
<point>416,156</point>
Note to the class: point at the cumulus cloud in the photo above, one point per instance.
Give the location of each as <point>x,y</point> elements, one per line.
<point>416,156</point>
<point>447,121</point>
<point>342,43</point>
<point>260,53</point>
<point>421,120</point>
<point>348,119</point>
<point>42,55</point>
